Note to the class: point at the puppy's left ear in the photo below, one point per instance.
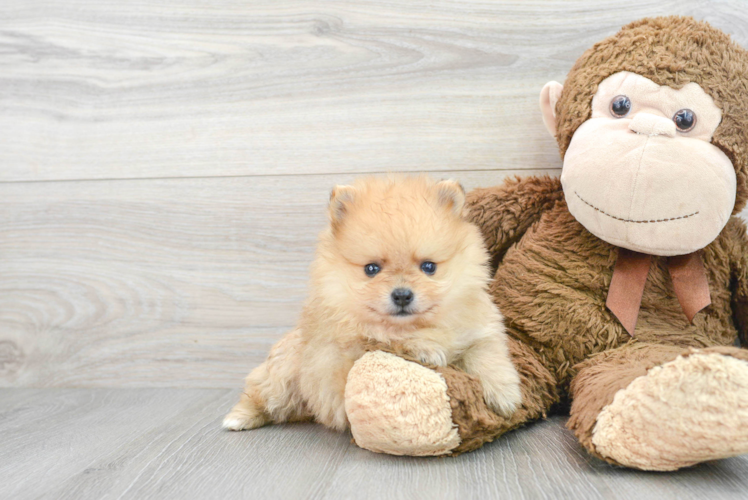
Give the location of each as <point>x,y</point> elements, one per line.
<point>451,195</point>
<point>341,198</point>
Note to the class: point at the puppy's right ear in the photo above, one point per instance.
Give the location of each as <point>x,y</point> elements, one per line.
<point>341,198</point>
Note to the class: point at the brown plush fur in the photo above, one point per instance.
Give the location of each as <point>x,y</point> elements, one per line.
<point>553,276</point>
<point>552,284</point>
<point>522,202</point>
<point>475,423</point>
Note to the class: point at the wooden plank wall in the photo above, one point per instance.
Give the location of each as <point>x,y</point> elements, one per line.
<point>164,165</point>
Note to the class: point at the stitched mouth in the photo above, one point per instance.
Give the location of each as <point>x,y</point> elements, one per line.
<point>645,221</point>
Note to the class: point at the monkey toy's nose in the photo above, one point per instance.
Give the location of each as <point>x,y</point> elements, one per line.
<point>402,296</point>
<point>648,124</point>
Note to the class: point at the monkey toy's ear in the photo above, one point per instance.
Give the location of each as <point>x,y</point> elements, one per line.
<point>549,96</point>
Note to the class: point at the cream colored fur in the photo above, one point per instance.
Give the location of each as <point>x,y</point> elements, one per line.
<point>684,412</point>
<point>398,407</point>
<point>397,223</point>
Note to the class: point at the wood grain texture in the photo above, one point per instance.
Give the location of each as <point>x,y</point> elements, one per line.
<point>83,444</point>
<point>171,282</point>
<point>172,88</point>
<point>179,280</point>
<point>164,170</point>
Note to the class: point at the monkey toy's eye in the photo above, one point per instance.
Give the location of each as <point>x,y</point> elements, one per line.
<point>620,106</point>
<point>685,120</point>
<point>428,267</point>
<point>372,269</point>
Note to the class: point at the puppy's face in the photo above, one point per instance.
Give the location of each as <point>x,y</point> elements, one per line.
<point>399,253</point>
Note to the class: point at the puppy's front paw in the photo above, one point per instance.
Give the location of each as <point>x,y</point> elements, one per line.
<point>503,398</point>
<point>428,353</point>
<point>438,358</point>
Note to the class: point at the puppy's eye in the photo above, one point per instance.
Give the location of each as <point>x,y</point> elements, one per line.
<point>372,269</point>
<point>620,106</point>
<point>685,120</point>
<point>428,267</point>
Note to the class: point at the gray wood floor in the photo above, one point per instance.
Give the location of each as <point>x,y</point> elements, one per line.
<point>167,443</point>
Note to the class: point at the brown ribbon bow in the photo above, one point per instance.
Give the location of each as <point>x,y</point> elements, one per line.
<point>630,274</point>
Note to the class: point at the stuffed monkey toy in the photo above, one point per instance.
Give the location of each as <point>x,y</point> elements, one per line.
<point>624,284</point>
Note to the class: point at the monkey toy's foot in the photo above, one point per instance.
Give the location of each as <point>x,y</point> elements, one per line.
<point>399,407</point>
<point>689,410</point>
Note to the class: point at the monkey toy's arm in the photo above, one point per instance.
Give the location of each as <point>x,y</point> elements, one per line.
<point>503,213</point>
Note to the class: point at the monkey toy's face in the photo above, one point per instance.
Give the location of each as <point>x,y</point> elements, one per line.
<point>641,172</point>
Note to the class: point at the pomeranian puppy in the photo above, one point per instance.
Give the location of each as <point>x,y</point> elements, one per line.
<point>397,266</point>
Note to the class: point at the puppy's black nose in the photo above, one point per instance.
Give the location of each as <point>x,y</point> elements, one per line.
<point>402,296</point>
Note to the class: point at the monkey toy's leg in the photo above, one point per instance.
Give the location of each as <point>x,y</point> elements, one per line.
<point>661,407</point>
<point>402,407</point>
